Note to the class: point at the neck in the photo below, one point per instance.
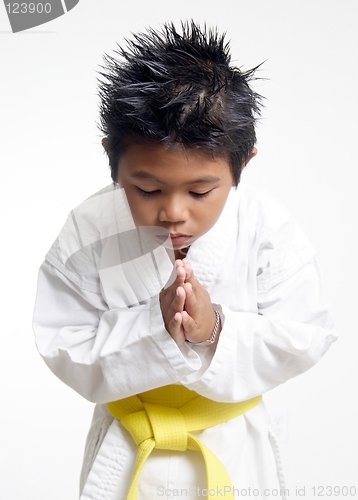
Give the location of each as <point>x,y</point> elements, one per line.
<point>180,254</point>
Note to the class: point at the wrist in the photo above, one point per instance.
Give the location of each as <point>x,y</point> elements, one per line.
<point>213,340</point>
<point>215,343</point>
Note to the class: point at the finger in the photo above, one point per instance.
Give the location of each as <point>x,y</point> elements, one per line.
<point>191,301</point>
<point>180,275</point>
<point>189,325</point>
<point>175,329</point>
<point>174,280</point>
<point>179,300</point>
<point>175,323</point>
<point>187,267</point>
<point>189,273</point>
<point>171,298</point>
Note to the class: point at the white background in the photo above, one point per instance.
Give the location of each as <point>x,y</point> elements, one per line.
<point>51,159</point>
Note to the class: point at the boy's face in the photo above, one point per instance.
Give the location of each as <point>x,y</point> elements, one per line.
<point>183,191</point>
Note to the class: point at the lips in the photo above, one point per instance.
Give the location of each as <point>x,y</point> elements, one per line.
<point>179,238</point>
<point>175,238</point>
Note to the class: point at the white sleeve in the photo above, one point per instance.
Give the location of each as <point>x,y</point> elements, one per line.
<point>257,352</point>
<point>104,354</point>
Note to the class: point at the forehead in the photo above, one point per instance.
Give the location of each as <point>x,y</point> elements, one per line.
<point>156,161</point>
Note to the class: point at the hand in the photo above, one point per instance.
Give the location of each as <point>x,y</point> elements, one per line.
<point>186,307</point>
<point>172,300</point>
<point>198,318</point>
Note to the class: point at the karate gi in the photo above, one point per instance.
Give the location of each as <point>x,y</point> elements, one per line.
<point>262,275</point>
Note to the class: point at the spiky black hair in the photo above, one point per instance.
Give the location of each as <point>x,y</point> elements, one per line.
<point>169,87</point>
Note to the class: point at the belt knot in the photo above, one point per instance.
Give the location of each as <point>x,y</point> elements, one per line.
<point>170,424</point>
<point>163,424</point>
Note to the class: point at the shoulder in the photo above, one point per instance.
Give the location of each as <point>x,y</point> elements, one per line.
<point>281,245</point>
<point>261,211</point>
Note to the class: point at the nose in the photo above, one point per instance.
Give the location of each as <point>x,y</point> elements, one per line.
<point>173,210</point>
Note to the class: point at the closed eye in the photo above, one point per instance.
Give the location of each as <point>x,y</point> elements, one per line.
<point>200,195</point>
<point>142,192</point>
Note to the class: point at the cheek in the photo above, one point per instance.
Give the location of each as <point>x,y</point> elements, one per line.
<point>204,219</point>
<point>142,213</point>
<point>210,214</point>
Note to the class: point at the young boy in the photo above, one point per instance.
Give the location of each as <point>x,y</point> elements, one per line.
<point>177,361</point>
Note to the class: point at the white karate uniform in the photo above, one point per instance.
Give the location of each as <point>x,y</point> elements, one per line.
<point>262,276</point>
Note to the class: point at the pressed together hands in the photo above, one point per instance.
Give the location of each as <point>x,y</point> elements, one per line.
<point>186,307</point>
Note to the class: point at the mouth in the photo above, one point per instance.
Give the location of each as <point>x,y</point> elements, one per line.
<point>176,239</point>
<point>179,238</point>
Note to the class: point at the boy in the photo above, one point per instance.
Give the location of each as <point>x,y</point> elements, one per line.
<point>243,311</point>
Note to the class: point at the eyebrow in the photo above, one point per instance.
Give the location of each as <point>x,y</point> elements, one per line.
<point>145,175</point>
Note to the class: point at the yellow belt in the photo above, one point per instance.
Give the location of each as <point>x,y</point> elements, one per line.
<point>163,419</point>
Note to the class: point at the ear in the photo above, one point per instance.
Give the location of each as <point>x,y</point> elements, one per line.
<point>249,158</point>
<point>105,144</point>
<point>251,155</point>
